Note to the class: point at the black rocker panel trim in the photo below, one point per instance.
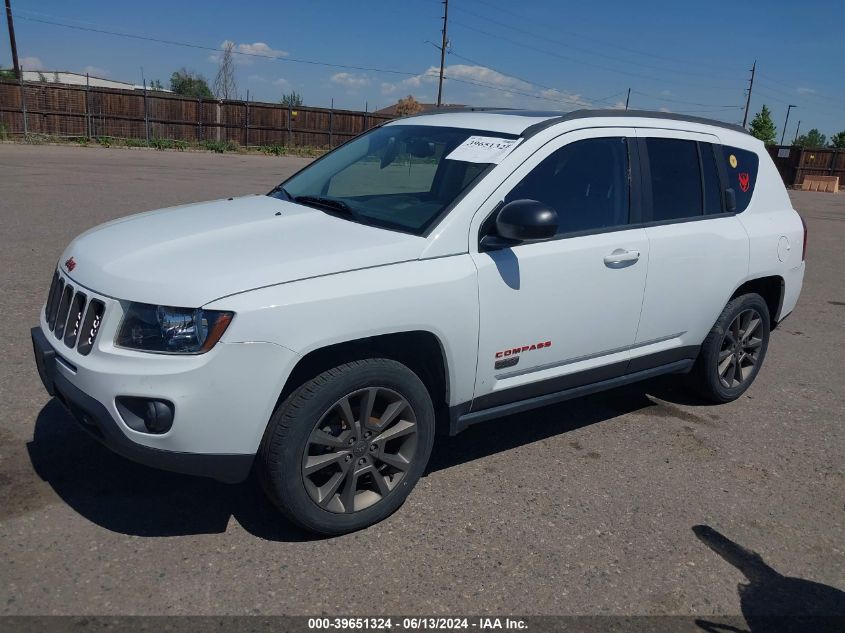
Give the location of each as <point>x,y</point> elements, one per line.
<point>558,389</point>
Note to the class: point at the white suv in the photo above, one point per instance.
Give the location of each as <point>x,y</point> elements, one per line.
<point>438,271</point>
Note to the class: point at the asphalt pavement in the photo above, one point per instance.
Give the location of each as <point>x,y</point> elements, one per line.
<point>587,507</point>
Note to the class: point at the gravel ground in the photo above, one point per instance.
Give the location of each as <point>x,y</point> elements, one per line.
<point>582,508</point>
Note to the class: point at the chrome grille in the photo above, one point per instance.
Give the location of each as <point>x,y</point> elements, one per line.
<point>72,317</point>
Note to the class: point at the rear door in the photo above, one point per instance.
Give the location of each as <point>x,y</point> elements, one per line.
<point>698,251</point>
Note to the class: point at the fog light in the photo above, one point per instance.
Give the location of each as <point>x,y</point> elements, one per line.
<point>145,415</point>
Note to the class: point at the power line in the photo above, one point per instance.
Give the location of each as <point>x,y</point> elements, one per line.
<point>158,40</point>
<point>608,43</point>
<point>568,45</point>
<point>499,36</point>
<point>605,43</point>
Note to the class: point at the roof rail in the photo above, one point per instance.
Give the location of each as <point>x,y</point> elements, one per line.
<point>642,114</point>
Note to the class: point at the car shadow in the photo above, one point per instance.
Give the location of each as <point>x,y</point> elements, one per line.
<point>133,499</point>
<point>771,602</point>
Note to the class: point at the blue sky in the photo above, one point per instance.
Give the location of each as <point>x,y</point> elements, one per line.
<point>680,56</point>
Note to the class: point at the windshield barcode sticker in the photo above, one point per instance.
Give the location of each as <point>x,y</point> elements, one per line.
<point>483,149</point>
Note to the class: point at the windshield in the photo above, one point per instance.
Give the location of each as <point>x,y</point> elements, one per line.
<point>396,176</point>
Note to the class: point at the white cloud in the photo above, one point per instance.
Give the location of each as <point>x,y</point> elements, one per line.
<point>31,63</point>
<point>281,82</point>
<point>805,91</point>
<point>619,105</point>
<point>665,110</point>
<point>350,80</point>
<point>95,71</point>
<point>499,86</point>
<point>246,54</point>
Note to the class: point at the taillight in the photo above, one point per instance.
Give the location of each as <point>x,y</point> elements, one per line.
<point>804,250</point>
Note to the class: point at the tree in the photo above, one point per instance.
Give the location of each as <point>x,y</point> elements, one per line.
<point>7,73</point>
<point>291,100</point>
<point>408,106</point>
<point>838,140</point>
<point>155,84</point>
<point>225,86</point>
<point>813,138</point>
<point>187,82</point>
<point>763,127</point>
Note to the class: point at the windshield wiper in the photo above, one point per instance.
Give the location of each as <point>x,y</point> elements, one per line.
<point>283,191</point>
<point>326,203</point>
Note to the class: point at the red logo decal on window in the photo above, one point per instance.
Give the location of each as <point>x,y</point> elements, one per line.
<point>744,181</point>
<point>70,264</point>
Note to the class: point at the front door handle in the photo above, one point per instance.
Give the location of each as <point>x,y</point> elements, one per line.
<point>620,257</point>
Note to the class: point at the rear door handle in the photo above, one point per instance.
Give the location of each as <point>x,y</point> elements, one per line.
<point>620,257</point>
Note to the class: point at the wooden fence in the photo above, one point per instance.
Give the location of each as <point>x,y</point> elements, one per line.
<point>81,111</point>
<point>794,163</point>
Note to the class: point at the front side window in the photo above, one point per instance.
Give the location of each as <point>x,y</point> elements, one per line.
<point>675,179</point>
<point>586,182</point>
<point>397,177</point>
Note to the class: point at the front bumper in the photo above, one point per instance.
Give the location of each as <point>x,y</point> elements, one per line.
<point>218,423</point>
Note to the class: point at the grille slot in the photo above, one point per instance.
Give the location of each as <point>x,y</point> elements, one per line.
<point>51,299</point>
<point>74,319</point>
<point>91,326</point>
<point>54,308</point>
<point>64,308</point>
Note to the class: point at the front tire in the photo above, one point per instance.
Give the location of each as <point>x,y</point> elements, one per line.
<point>345,449</point>
<point>733,352</point>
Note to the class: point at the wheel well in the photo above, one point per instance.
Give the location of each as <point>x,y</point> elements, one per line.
<point>770,288</point>
<point>420,351</point>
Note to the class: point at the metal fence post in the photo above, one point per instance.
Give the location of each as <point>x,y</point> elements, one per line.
<point>199,119</point>
<point>23,106</point>
<point>331,126</point>
<point>290,136</point>
<point>246,120</point>
<point>833,161</point>
<point>218,103</point>
<point>87,107</point>
<point>146,116</point>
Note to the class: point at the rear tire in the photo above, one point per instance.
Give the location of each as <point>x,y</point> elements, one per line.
<point>734,350</point>
<point>344,450</point>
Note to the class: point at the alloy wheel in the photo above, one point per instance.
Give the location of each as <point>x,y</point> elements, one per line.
<point>360,450</point>
<point>740,350</point>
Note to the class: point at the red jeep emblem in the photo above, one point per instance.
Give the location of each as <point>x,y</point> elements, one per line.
<point>70,264</point>
<point>744,181</point>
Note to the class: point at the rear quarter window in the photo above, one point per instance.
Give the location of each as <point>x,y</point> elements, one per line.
<point>742,167</point>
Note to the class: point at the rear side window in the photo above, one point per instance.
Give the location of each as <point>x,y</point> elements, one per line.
<point>586,182</point>
<point>675,179</point>
<point>710,175</point>
<point>742,168</point>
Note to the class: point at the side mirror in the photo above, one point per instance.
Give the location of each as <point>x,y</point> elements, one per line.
<point>526,221</point>
<point>730,200</point>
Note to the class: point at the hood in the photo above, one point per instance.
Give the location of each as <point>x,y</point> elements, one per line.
<point>190,255</point>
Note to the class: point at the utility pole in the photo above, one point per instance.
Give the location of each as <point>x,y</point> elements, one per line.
<point>794,140</point>
<point>748,98</point>
<point>442,51</point>
<point>12,42</point>
<point>628,98</point>
<point>786,121</point>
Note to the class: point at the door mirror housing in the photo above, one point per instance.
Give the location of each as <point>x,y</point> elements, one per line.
<point>526,221</point>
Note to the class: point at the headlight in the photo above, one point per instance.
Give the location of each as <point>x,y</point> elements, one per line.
<point>171,330</point>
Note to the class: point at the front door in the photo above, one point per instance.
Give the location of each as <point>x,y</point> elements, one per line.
<point>561,313</point>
